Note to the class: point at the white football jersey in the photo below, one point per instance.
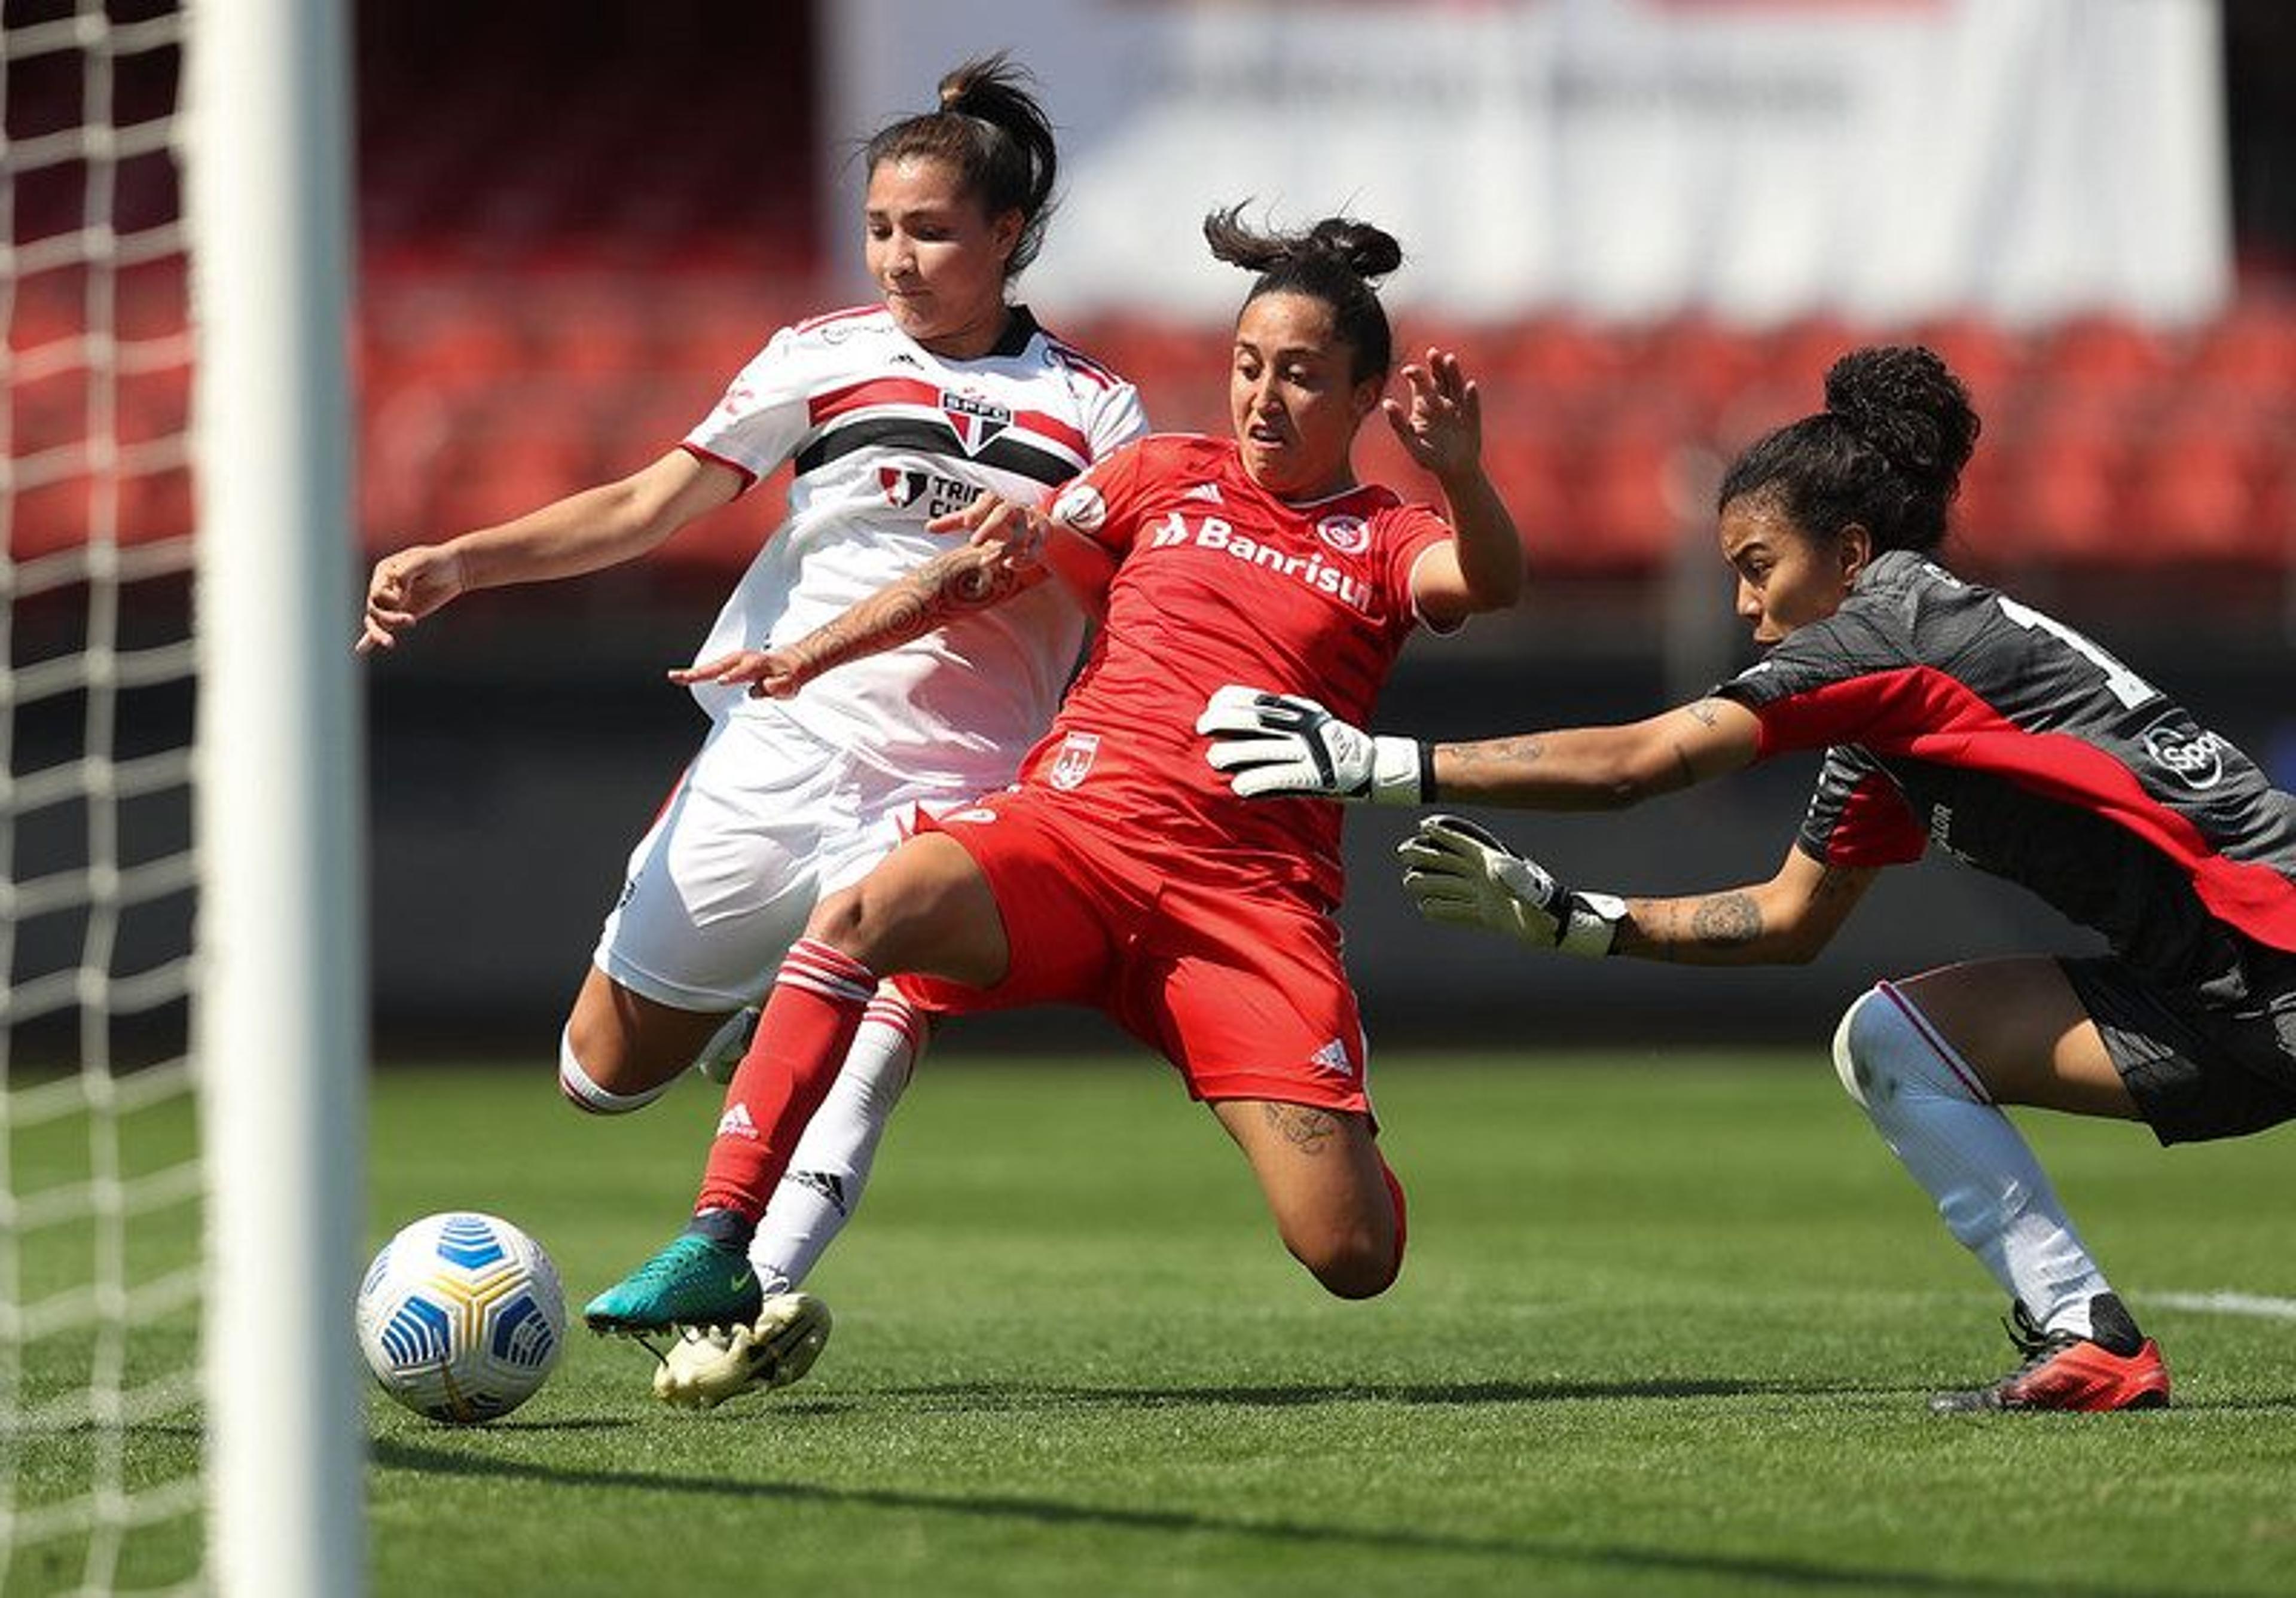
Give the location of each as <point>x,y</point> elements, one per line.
<point>885,436</point>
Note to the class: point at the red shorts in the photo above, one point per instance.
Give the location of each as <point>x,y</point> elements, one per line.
<point>1239,984</point>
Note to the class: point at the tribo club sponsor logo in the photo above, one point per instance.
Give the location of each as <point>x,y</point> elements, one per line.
<point>927,493</point>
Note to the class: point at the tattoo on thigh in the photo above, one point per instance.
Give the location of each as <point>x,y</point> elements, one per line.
<point>1307,1129</point>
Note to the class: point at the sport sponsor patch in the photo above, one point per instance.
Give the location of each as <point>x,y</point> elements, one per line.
<point>2188,754</point>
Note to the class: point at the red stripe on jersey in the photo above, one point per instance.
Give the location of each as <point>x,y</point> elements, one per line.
<point>749,477</point>
<point>909,390</point>
<point>1925,714</point>
<point>1876,828</point>
<point>847,314</point>
<point>869,391</point>
<point>1082,364</point>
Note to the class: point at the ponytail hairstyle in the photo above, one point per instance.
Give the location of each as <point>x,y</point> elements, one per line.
<point>1886,453</point>
<point>991,129</point>
<point>1336,261</point>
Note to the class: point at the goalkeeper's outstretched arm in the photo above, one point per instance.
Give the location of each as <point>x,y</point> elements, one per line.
<point>1283,746</point>
<point>1458,870</point>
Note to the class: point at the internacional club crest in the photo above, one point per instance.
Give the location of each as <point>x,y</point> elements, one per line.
<point>1073,763</point>
<point>1350,535</point>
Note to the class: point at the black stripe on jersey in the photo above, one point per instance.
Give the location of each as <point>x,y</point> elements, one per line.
<point>1005,452</point>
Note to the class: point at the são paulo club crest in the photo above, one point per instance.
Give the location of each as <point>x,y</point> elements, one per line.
<point>976,420</point>
<point>1073,763</point>
<point>1350,535</point>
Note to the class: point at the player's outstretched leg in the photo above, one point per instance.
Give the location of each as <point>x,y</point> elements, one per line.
<point>703,1276</point>
<point>829,1169</point>
<point>2115,1367</point>
<point>708,1366</point>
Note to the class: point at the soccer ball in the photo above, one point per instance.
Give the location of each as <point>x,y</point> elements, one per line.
<point>461,1318</point>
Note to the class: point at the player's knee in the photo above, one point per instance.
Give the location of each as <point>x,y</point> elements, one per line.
<point>1363,1271</point>
<point>1854,1041</point>
<point>599,1088</point>
<point>850,921</point>
<point>1884,1051</point>
<point>1353,1262</point>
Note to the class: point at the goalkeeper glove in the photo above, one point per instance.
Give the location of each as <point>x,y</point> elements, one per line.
<point>1282,746</point>
<point>1454,871</point>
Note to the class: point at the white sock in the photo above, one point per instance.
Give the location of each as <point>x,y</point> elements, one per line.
<point>584,1093</point>
<point>830,1166</point>
<point>1933,1112</point>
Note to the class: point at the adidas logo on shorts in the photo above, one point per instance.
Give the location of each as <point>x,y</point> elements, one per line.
<point>1334,1057</point>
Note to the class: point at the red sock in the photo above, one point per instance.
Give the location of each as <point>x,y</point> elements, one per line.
<point>809,1023</point>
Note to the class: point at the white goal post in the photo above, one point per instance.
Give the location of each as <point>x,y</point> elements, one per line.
<point>279,1009</point>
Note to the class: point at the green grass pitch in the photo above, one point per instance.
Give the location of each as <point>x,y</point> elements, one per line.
<point>1666,1327</point>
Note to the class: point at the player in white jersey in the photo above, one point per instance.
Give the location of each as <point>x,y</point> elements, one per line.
<point>892,415</point>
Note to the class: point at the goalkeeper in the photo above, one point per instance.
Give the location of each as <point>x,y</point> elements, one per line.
<point>1949,715</point>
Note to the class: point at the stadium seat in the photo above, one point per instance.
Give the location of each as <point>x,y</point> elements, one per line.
<point>2197,486</point>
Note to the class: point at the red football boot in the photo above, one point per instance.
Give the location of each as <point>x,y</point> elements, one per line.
<point>2115,1367</point>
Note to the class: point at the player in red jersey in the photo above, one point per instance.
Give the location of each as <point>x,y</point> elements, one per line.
<point>1119,872</point>
<point>1950,715</point>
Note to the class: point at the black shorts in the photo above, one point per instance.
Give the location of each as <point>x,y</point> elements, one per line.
<point>2198,1066</point>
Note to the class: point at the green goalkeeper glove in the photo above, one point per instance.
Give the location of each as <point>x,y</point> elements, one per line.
<point>1282,746</point>
<point>1454,871</point>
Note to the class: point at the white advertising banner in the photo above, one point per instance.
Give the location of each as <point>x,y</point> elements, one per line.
<point>1885,160</point>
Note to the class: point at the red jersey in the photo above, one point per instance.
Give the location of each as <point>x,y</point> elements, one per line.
<point>1218,581</point>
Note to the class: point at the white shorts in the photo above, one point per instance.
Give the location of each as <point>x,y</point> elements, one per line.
<point>765,820</point>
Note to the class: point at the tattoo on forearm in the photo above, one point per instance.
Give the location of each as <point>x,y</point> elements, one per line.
<point>1497,752</point>
<point>1726,921</point>
<point>1309,1130</point>
<point>1703,712</point>
<point>946,586</point>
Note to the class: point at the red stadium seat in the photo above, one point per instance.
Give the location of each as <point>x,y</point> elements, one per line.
<point>2063,494</point>
<point>2103,356</point>
<point>2197,486</point>
<point>1698,365</point>
<point>2249,354</point>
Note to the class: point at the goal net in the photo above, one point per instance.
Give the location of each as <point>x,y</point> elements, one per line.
<point>179,1036</point>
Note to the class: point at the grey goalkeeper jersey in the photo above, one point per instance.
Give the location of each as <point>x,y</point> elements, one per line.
<point>1952,714</point>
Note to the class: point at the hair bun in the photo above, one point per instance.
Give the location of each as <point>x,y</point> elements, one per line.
<point>1370,253</point>
<point>1907,405</point>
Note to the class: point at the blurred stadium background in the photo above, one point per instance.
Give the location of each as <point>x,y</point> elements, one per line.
<point>577,220</point>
